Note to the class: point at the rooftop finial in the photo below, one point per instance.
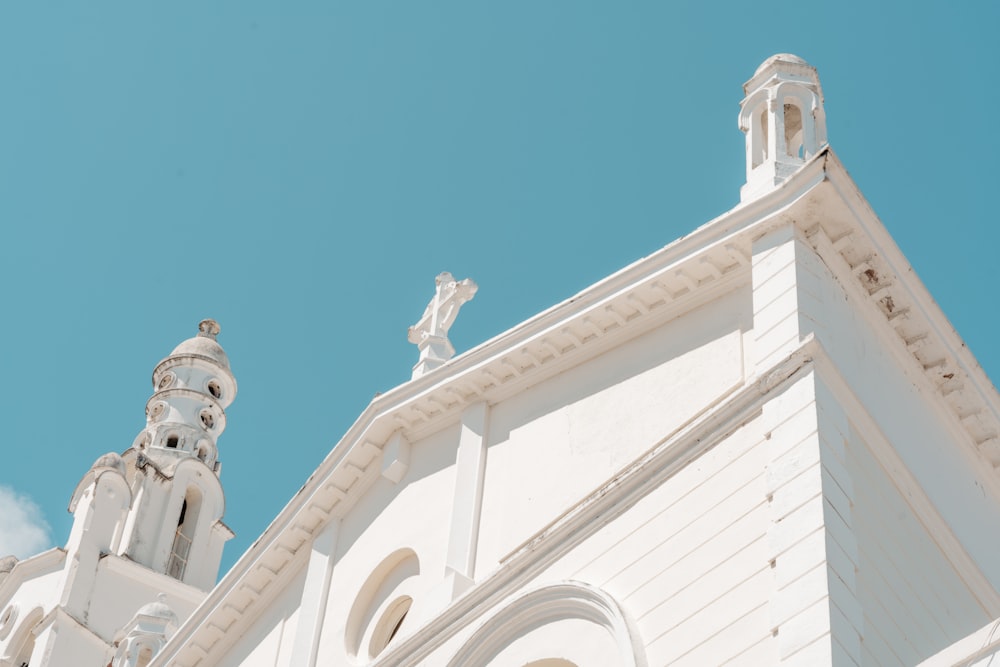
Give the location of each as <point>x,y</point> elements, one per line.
<point>209,328</point>
<point>430,333</point>
<point>782,116</point>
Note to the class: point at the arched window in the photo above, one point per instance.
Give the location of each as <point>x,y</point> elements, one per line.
<point>145,655</point>
<point>187,522</point>
<point>793,130</point>
<point>22,641</point>
<point>378,614</point>
<point>759,137</point>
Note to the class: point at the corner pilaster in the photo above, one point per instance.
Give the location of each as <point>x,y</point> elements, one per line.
<point>815,615</point>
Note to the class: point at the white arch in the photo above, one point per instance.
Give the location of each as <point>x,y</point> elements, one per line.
<point>553,602</point>
<point>387,583</point>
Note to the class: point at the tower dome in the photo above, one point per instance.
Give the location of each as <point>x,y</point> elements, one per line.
<point>782,57</point>
<point>158,609</point>
<point>204,344</point>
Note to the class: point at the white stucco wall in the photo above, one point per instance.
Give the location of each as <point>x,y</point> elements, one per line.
<point>268,642</point>
<point>413,514</point>
<point>900,593</point>
<point>557,441</point>
<point>688,562</point>
<point>927,437</point>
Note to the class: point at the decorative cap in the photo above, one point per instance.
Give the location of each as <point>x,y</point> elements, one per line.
<point>781,57</point>
<point>209,328</point>
<point>158,609</point>
<point>204,344</point>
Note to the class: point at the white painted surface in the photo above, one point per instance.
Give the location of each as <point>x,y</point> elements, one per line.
<point>557,441</point>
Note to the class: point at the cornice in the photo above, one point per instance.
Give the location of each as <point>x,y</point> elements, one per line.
<point>860,252</point>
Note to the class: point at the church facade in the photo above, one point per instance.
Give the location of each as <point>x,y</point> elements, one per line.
<point>760,445</point>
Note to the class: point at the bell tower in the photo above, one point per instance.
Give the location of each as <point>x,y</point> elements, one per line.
<point>174,524</point>
<point>783,119</point>
<point>147,524</point>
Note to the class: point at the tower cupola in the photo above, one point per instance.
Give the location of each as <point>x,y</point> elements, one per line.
<point>191,390</point>
<point>782,116</point>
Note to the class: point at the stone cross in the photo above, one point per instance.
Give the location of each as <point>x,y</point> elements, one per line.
<point>430,333</point>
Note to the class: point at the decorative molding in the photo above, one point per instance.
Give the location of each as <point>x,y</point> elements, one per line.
<point>568,599</point>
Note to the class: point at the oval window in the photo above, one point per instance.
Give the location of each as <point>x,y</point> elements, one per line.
<point>166,380</point>
<point>214,388</point>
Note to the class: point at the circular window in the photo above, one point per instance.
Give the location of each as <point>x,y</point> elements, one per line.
<point>207,418</point>
<point>214,388</point>
<point>388,626</point>
<point>166,380</point>
<point>7,619</point>
<point>156,410</point>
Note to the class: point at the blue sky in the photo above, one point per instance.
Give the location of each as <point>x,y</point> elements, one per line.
<point>301,171</point>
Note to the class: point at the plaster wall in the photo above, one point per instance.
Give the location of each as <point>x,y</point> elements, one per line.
<point>928,439</point>
<point>107,612</point>
<point>911,600</point>
<point>411,515</point>
<point>63,641</point>
<point>688,562</point>
<point>555,442</point>
<point>268,642</point>
<point>979,649</point>
<point>38,592</point>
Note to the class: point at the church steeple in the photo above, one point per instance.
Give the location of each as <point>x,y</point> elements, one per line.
<point>191,390</point>
<point>174,524</point>
<point>782,116</point>
<point>151,517</point>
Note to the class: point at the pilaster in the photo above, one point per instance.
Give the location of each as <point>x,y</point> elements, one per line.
<point>811,545</point>
<point>463,535</point>
<point>315,595</point>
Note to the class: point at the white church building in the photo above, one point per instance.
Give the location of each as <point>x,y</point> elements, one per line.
<point>762,444</point>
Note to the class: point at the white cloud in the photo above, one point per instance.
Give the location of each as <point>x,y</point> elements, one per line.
<point>23,530</point>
